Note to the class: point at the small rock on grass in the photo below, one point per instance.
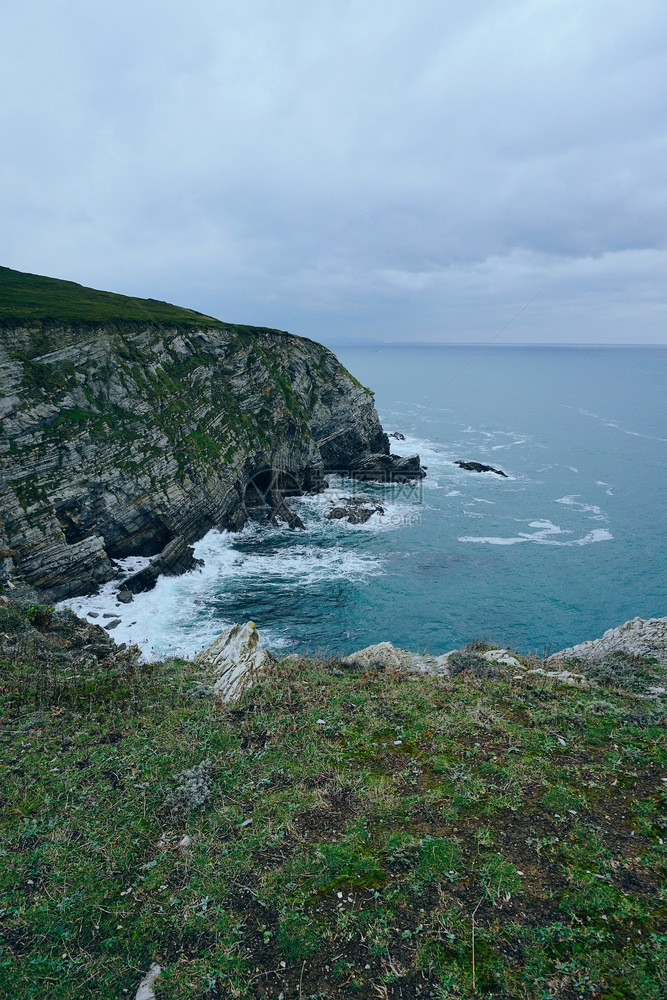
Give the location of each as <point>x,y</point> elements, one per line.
<point>146,991</point>
<point>501,656</point>
<point>389,657</point>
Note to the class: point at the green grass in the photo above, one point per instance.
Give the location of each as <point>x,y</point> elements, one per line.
<point>35,297</point>
<point>325,860</point>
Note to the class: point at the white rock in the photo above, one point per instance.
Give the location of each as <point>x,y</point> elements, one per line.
<point>562,677</point>
<point>146,991</point>
<point>236,660</point>
<point>501,656</point>
<point>389,657</point>
<point>641,636</point>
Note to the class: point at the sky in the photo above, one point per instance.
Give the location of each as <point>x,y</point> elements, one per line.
<point>347,170</point>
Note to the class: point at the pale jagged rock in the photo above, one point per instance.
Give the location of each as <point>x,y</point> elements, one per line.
<point>146,991</point>
<point>235,660</point>
<point>501,656</point>
<point>639,636</point>
<point>389,657</point>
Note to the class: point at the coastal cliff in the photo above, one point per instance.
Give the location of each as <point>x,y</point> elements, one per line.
<point>131,427</point>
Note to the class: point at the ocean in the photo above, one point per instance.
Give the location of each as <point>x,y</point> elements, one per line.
<point>571,543</point>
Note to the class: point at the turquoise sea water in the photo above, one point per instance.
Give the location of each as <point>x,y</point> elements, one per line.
<point>573,542</point>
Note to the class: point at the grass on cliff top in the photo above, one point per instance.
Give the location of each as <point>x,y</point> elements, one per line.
<point>341,832</point>
<point>25,297</point>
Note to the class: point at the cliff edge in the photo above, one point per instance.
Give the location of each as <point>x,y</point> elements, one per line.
<point>131,427</point>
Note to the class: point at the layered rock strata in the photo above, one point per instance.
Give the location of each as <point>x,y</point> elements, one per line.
<point>128,438</point>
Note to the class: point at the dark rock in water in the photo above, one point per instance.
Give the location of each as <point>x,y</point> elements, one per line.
<point>280,512</point>
<point>388,468</point>
<point>125,596</point>
<point>363,514</point>
<point>114,624</point>
<point>177,557</point>
<point>398,436</point>
<point>337,514</point>
<point>355,510</point>
<point>478,467</point>
<point>408,468</point>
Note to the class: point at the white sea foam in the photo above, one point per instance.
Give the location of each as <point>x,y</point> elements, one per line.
<point>179,616</point>
<point>545,529</point>
<point>588,508</point>
<point>557,465</point>
<point>512,444</point>
<point>614,424</point>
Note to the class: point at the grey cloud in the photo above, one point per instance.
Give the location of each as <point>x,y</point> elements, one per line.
<point>375,170</point>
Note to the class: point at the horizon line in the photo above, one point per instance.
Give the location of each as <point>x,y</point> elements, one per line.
<point>482,343</point>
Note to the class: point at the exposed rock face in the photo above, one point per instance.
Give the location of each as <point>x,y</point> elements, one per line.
<point>640,636</point>
<point>479,467</point>
<point>124,438</point>
<point>235,660</point>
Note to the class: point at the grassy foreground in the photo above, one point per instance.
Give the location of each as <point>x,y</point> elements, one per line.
<point>339,833</point>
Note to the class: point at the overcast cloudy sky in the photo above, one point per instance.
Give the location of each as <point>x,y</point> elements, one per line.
<point>375,169</point>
